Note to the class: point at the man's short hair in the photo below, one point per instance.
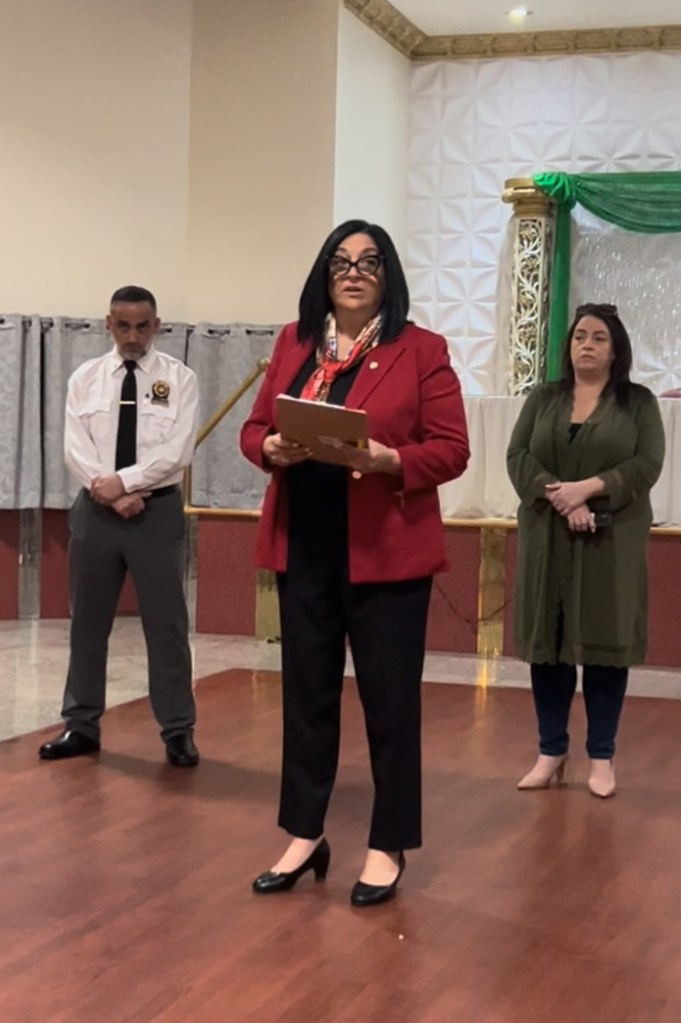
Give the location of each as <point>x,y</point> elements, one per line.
<point>133,293</point>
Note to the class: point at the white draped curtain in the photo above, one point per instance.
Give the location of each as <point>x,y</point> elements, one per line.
<point>639,274</point>
<point>485,491</point>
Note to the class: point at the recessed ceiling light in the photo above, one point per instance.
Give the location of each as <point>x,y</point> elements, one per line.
<point>517,15</point>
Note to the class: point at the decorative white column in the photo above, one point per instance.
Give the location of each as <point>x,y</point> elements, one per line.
<point>532,227</point>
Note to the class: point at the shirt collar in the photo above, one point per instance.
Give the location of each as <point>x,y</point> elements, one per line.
<point>146,363</point>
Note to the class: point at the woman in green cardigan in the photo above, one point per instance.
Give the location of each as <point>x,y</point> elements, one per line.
<point>583,457</point>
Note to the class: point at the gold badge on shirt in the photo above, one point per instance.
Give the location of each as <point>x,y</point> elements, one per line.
<point>160,392</point>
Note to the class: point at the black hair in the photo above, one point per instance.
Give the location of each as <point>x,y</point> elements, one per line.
<point>133,293</point>
<point>315,301</point>
<point>619,383</point>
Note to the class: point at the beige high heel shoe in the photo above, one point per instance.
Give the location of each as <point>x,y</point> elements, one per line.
<point>544,771</point>
<point>602,779</point>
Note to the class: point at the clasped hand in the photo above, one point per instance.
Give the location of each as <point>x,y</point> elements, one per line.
<point>581,520</point>
<point>109,490</point>
<point>566,497</point>
<point>569,500</point>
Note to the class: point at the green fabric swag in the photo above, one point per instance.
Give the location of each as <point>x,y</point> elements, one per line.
<point>649,203</point>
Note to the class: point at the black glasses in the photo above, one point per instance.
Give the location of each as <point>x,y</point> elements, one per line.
<point>366,266</point>
<point>594,308</point>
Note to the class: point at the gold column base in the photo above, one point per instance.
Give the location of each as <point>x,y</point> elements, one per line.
<point>492,592</point>
<point>266,607</point>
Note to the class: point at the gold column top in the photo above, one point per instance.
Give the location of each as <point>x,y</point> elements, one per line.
<point>526,198</point>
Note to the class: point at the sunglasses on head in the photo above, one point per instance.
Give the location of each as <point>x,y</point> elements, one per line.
<point>596,309</point>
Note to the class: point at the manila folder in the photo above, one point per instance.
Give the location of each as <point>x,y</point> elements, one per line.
<point>320,427</point>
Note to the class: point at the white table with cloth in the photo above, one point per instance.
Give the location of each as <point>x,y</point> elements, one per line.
<point>484,491</point>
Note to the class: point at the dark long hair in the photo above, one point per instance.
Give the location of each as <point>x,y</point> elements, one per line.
<point>315,301</point>
<point>619,383</point>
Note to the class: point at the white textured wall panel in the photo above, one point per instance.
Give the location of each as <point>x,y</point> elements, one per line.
<point>476,123</point>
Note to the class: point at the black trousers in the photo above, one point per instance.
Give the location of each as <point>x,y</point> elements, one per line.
<point>386,627</point>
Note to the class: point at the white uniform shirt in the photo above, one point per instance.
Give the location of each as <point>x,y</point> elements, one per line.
<point>166,429</point>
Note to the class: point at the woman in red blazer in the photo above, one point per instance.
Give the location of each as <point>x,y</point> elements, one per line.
<point>355,548</point>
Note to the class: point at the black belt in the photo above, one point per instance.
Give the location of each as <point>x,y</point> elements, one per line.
<point>162,491</point>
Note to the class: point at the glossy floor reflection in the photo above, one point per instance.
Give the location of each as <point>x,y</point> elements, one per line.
<point>127,895</point>
<point>34,657</point>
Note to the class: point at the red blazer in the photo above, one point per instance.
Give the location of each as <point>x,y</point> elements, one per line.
<point>413,400</point>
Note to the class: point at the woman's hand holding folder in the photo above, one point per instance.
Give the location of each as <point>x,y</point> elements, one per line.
<point>282,453</point>
<point>374,458</point>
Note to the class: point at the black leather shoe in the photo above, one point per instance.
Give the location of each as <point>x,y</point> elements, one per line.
<point>68,744</point>
<point>274,881</point>
<point>181,750</point>
<point>373,894</point>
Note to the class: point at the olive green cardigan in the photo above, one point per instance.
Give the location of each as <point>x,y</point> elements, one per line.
<point>598,579</point>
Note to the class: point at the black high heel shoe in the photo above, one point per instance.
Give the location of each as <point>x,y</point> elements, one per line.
<point>277,881</point>
<point>373,894</point>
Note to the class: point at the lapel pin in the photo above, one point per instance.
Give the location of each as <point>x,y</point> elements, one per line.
<point>373,365</point>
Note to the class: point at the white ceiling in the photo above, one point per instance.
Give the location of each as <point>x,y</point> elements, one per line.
<point>454,17</point>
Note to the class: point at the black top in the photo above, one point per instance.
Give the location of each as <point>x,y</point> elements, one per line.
<point>574,430</point>
<point>318,493</point>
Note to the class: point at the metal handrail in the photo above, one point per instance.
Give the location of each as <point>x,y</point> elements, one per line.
<point>252,515</point>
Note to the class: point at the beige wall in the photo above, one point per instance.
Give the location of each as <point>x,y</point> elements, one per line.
<point>193,146</point>
<point>372,129</point>
<point>94,130</point>
<point>261,153</point>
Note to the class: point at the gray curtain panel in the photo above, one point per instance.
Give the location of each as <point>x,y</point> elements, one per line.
<point>40,357</point>
<point>173,338</point>
<point>222,356</point>
<point>20,447</point>
<point>66,344</point>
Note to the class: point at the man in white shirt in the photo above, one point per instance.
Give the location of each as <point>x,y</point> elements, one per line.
<point>131,419</point>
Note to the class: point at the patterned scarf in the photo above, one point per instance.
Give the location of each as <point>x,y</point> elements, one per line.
<point>328,365</point>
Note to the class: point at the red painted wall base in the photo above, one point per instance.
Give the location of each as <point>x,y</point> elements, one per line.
<point>226,588</point>
<point>9,565</point>
<point>226,585</point>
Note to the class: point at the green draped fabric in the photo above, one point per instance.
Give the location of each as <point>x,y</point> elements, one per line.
<point>649,203</point>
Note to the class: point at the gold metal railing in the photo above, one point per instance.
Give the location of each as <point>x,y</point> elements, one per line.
<point>208,427</point>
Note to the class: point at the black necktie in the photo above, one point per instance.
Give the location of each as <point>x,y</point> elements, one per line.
<point>126,439</point>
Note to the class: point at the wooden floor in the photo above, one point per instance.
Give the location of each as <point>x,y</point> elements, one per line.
<point>125,884</point>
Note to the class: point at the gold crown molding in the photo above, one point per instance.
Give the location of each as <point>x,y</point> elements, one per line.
<point>546,44</point>
<point>391,25</point>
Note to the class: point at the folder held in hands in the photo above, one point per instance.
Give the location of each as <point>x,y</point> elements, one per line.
<point>320,427</point>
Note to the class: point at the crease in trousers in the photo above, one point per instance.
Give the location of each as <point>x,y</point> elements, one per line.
<point>385,624</point>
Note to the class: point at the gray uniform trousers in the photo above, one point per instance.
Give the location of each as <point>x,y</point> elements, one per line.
<point>102,547</point>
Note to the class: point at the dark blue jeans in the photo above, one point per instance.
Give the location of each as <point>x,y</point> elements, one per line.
<point>553,687</point>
